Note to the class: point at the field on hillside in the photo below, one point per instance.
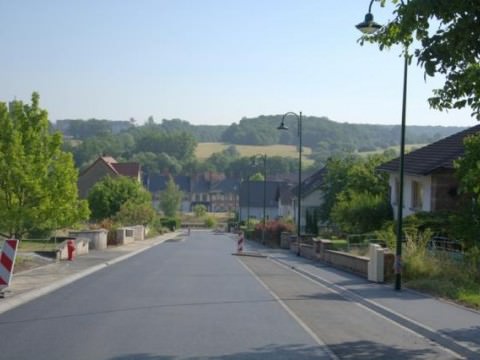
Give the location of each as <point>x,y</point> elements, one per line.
<point>204,150</point>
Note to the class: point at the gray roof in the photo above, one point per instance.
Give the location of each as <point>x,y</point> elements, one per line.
<point>155,183</point>
<point>226,186</point>
<point>276,190</point>
<point>311,183</point>
<point>437,156</point>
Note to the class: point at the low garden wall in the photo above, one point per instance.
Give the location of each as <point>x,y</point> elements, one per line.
<point>97,238</point>
<point>322,249</point>
<point>81,248</point>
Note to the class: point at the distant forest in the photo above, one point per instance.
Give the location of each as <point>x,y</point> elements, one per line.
<point>319,133</point>
<point>170,144</point>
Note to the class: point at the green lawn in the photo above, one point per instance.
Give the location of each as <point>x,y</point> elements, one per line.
<point>37,245</point>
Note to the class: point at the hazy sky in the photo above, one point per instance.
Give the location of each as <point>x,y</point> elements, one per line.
<point>207,61</point>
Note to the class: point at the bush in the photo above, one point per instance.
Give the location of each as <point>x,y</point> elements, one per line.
<point>439,222</point>
<point>171,223</point>
<point>210,221</point>
<point>273,231</point>
<point>359,213</point>
<point>200,210</point>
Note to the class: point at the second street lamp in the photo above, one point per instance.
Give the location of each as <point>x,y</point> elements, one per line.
<point>369,27</point>
<point>282,126</point>
<point>264,159</point>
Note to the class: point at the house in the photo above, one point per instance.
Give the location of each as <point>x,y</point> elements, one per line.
<point>312,199</point>
<point>213,191</point>
<point>200,194</point>
<point>105,166</point>
<point>429,176</point>
<point>224,195</point>
<point>157,183</point>
<point>278,200</point>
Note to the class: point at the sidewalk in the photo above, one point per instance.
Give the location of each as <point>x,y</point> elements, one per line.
<point>30,284</point>
<point>449,324</point>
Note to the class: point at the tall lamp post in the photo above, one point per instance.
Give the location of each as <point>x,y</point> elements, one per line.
<point>368,26</point>
<point>282,126</point>
<point>264,159</point>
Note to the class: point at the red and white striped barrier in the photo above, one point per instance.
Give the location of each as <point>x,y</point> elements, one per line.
<point>7,261</point>
<point>240,243</point>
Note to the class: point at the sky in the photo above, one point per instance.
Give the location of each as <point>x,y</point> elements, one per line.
<point>208,61</point>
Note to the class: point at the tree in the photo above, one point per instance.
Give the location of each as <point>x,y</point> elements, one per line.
<point>170,199</point>
<point>108,195</point>
<point>451,48</point>
<point>132,213</point>
<point>200,210</point>
<point>348,182</point>
<point>467,170</point>
<point>257,177</point>
<point>38,181</point>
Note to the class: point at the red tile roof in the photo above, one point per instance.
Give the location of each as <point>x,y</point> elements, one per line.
<point>127,169</point>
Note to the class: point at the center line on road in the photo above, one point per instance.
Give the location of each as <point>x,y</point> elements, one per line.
<point>304,326</point>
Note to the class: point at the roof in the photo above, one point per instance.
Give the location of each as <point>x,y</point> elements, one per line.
<point>127,169</point>
<point>200,185</point>
<point>131,169</point>
<point>434,157</point>
<point>254,190</point>
<point>226,186</point>
<point>311,183</point>
<point>157,182</point>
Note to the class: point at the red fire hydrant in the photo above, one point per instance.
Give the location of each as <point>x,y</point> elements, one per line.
<point>70,249</point>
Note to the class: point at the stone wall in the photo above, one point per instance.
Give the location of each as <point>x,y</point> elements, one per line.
<point>322,249</point>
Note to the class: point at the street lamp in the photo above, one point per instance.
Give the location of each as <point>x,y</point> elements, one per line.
<point>369,27</point>
<point>264,159</point>
<point>282,126</point>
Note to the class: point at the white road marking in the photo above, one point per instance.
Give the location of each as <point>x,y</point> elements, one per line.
<point>354,298</point>
<point>293,315</point>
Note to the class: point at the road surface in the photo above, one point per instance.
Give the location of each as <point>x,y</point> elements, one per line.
<point>191,299</point>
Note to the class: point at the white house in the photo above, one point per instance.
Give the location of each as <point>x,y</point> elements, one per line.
<point>429,176</point>
<point>312,199</point>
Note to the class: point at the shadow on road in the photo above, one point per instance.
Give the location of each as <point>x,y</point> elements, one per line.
<point>349,350</point>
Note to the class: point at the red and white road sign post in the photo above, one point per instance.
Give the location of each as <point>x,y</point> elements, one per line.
<point>7,261</point>
<point>240,242</point>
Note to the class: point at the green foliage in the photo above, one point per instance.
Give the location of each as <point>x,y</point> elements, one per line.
<point>108,195</point>
<point>350,180</point>
<point>360,212</point>
<point>133,213</point>
<point>438,222</point>
<point>200,210</point>
<point>439,274</point>
<point>170,199</point>
<point>210,221</point>
<point>38,181</point>
<point>449,48</point>
<point>467,221</point>
<point>257,177</point>
<point>171,223</point>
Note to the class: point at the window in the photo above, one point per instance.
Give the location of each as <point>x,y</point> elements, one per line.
<point>417,195</point>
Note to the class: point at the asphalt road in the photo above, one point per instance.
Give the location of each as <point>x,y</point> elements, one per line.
<point>187,299</point>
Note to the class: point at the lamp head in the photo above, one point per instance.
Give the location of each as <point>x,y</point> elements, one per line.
<point>282,126</point>
<point>368,26</point>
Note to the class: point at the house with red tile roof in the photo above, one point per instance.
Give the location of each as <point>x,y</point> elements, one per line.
<point>106,166</point>
<point>429,175</point>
